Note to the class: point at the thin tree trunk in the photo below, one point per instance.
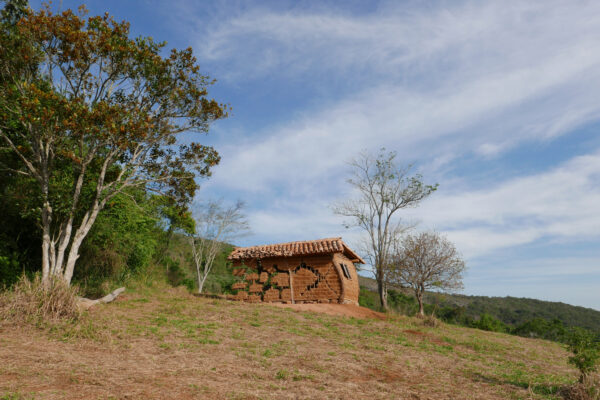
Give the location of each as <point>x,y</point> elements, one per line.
<point>46,242</point>
<point>80,234</point>
<point>201,282</point>
<point>382,289</point>
<point>62,246</point>
<point>419,296</point>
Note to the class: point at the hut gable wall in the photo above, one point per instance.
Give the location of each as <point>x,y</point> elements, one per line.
<point>350,285</point>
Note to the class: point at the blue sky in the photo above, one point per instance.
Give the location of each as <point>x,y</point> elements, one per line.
<point>496,101</point>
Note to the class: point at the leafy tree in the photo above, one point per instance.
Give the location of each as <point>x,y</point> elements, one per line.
<point>89,112</point>
<point>427,261</point>
<point>122,242</point>
<point>383,188</point>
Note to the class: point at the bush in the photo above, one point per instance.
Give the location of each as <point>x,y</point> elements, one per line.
<point>31,301</point>
<point>9,270</point>
<point>586,351</point>
<point>368,299</point>
<point>581,391</point>
<point>488,323</point>
<point>431,321</point>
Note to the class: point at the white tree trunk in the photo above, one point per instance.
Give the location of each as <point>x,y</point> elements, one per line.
<point>80,234</point>
<point>87,303</point>
<point>62,246</point>
<point>201,282</point>
<point>46,242</point>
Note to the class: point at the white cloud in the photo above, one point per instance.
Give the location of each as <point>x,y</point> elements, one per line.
<point>436,84</point>
<point>560,204</point>
<point>399,40</point>
<point>475,77</point>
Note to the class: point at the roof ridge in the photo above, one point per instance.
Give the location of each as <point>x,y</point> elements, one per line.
<point>298,247</point>
<point>289,243</point>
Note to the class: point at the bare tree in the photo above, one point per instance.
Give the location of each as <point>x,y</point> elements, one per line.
<point>427,261</point>
<point>383,188</point>
<point>215,225</point>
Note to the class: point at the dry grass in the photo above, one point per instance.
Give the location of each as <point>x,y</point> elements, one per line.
<point>590,390</point>
<point>31,301</point>
<point>165,343</point>
<point>431,321</point>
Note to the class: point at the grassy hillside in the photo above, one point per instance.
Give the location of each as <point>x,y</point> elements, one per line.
<point>162,342</point>
<point>510,310</point>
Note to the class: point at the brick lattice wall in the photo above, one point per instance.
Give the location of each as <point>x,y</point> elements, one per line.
<point>315,279</point>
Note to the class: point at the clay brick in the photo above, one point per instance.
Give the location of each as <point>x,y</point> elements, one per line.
<point>320,281</point>
<point>269,268</point>
<point>271,295</point>
<point>305,276</point>
<point>281,280</point>
<point>286,295</point>
<point>241,295</point>
<point>255,288</point>
<point>252,277</point>
<point>263,277</point>
<point>250,263</point>
<point>253,298</point>
<point>239,285</point>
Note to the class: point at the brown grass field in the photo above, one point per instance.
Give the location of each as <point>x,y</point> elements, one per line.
<point>158,343</point>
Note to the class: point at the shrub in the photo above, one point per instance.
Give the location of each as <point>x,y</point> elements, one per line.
<point>431,321</point>
<point>9,270</point>
<point>31,301</point>
<point>581,391</point>
<point>586,351</point>
<point>488,323</point>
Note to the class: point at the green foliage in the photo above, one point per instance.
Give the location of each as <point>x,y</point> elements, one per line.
<point>542,328</point>
<point>121,243</point>
<point>369,299</point>
<point>9,270</point>
<point>73,142</point>
<point>397,301</point>
<point>585,347</point>
<point>516,311</point>
<point>488,323</point>
<point>513,311</point>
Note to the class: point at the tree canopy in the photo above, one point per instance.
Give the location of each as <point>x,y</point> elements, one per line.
<point>427,261</point>
<point>87,112</point>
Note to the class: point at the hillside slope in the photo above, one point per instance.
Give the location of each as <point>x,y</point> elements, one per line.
<point>510,310</point>
<point>166,343</point>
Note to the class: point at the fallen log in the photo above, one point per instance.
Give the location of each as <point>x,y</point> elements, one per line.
<point>87,303</point>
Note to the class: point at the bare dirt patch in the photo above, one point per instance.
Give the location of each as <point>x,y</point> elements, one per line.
<point>346,310</point>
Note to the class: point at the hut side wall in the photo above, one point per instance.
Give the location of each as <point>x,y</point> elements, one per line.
<point>350,286</point>
<point>314,279</point>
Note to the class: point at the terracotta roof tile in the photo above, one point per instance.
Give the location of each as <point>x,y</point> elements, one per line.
<point>320,246</point>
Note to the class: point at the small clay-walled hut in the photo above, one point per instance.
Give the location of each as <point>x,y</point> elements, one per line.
<point>312,271</point>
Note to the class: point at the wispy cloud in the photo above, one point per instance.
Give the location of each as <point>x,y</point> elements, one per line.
<point>439,84</point>
<point>473,78</point>
<point>557,205</point>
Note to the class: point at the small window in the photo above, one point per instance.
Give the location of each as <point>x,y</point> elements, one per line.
<point>345,271</point>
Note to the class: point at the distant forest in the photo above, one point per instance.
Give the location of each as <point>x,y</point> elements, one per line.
<point>511,311</point>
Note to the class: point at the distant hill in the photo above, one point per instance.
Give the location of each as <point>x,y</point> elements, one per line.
<point>510,310</point>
